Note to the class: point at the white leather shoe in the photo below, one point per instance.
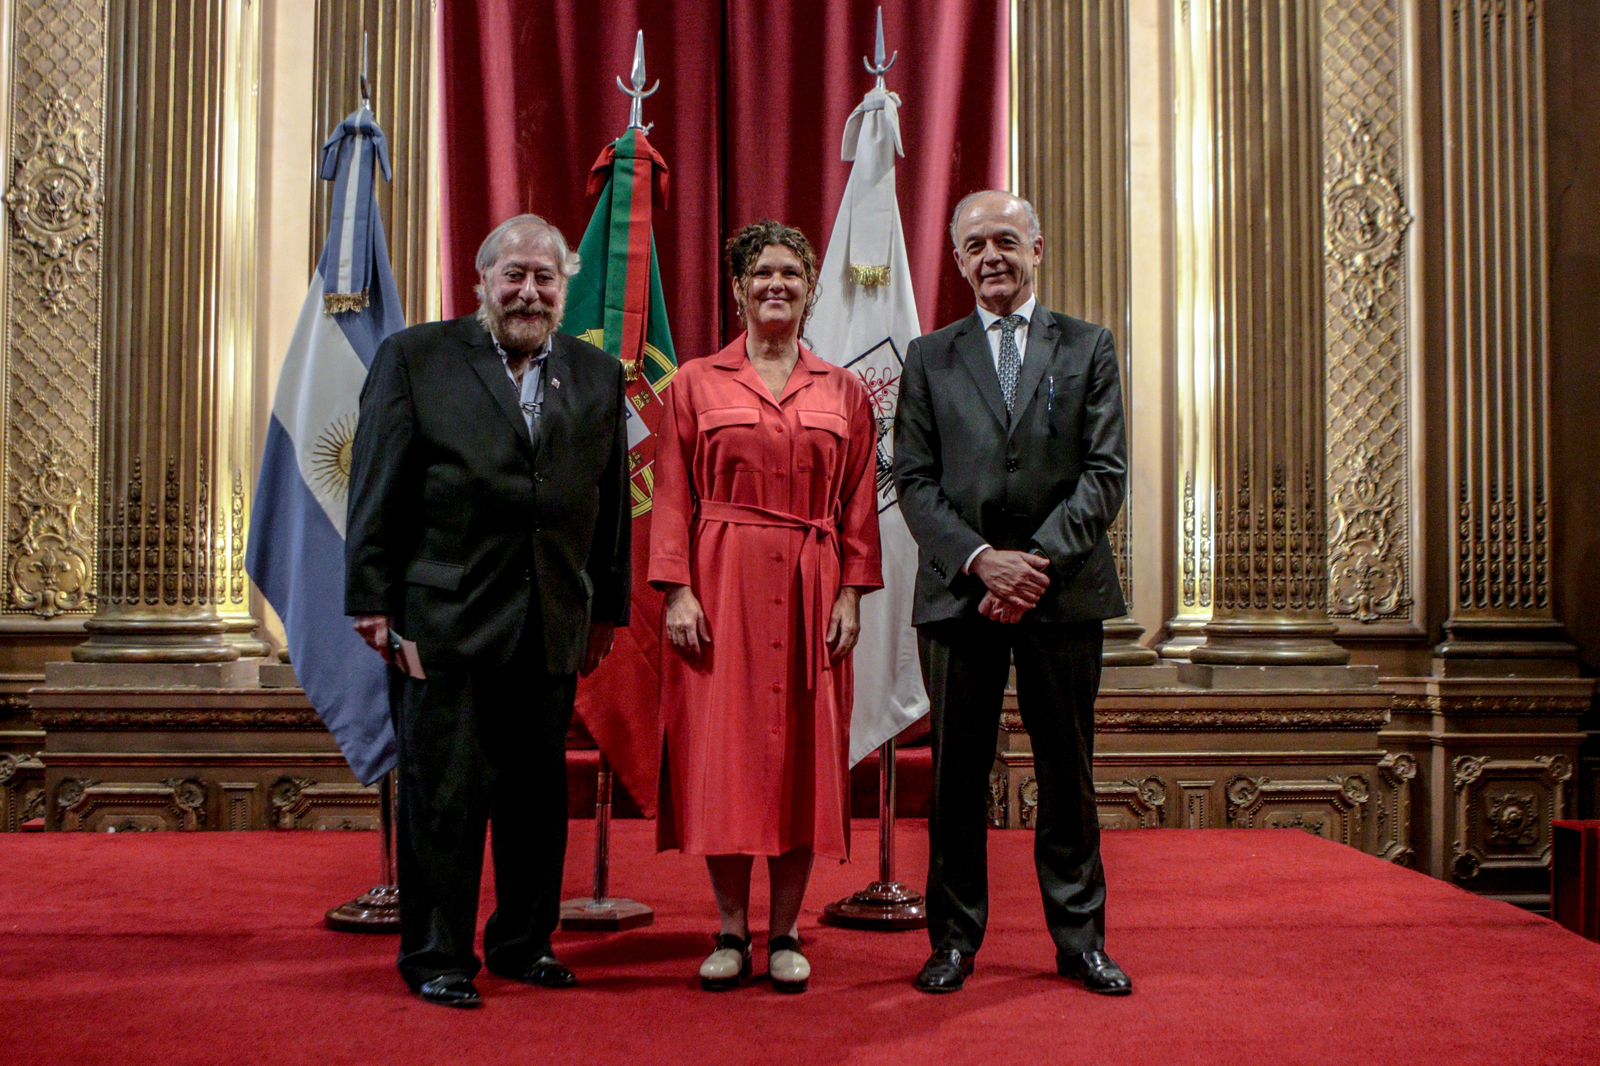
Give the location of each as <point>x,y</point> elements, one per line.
<point>789,970</point>
<point>728,966</point>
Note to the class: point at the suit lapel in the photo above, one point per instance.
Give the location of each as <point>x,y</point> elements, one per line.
<point>557,386</point>
<point>1042,336</point>
<point>485,362</point>
<point>972,348</point>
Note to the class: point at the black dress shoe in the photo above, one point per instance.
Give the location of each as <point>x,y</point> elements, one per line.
<point>945,971</point>
<point>546,971</point>
<point>451,990</point>
<point>1096,971</point>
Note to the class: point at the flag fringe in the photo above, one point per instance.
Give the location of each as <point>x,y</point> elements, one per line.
<point>335,303</point>
<point>869,277</point>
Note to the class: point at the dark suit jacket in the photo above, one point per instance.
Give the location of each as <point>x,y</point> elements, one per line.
<point>459,524</point>
<point>1053,479</point>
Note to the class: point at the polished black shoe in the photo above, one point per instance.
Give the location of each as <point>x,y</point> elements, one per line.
<point>451,990</point>
<point>1095,971</point>
<point>546,971</point>
<point>945,971</point>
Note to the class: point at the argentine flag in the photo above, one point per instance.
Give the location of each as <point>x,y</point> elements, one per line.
<point>297,527</point>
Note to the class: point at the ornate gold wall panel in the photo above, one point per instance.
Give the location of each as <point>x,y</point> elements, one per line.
<point>399,35</point>
<point>1072,160</point>
<point>53,262</point>
<point>1369,490</point>
<point>1271,590</point>
<point>168,358</point>
<point>1496,318</point>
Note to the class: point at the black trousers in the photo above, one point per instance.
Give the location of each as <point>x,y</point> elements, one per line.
<point>964,665</point>
<point>480,746</point>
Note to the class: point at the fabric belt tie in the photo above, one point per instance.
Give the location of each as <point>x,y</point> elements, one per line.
<point>819,568</point>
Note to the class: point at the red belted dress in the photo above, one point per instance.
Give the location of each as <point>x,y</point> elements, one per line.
<point>765,508</point>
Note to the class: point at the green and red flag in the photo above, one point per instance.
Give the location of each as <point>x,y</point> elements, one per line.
<point>616,303</point>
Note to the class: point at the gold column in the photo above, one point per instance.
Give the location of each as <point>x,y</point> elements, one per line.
<point>168,363</point>
<point>1194,249</point>
<point>399,52</point>
<point>1496,333</point>
<point>1271,590</point>
<point>1072,156</point>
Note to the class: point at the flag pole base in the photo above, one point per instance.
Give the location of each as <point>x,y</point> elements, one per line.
<point>374,911</point>
<point>883,906</point>
<point>604,915</point>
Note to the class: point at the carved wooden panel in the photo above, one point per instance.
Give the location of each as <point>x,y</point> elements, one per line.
<point>1503,811</point>
<point>1331,807</point>
<point>121,807</point>
<point>1392,809</point>
<point>21,790</point>
<point>302,803</point>
<point>1131,804</point>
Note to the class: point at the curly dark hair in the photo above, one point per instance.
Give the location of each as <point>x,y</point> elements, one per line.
<point>746,246</point>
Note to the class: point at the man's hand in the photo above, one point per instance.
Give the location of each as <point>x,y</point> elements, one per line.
<point>998,610</point>
<point>374,629</point>
<point>1020,577</point>
<point>602,635</point>
<point>685,622</point>
<point>844,624</point>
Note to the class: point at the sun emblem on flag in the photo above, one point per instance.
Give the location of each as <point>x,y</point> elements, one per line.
<point>330,456</point>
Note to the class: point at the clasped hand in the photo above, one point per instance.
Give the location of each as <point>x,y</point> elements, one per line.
<point>1015,581</point>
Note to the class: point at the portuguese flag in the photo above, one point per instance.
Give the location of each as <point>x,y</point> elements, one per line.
<point>616,303</point>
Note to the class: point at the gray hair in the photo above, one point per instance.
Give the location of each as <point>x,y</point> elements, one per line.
<point>966,201</point>
<point>489,250</point>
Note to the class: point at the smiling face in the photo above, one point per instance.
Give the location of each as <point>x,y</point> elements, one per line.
<point>773,293</point>
<point>997,252</point>
<point>524,292</point>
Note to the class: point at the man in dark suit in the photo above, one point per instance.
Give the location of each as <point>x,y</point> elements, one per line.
<point>1010,460</point>
<point>489,523</point>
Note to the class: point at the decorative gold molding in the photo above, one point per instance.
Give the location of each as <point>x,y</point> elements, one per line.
<point>56,71</point>
<point>1366,221</point>
<point>50,568</point>
<point>55,202</point>
<point>1367,575</point>
<point>208,718</point>
<point>1299,719</point>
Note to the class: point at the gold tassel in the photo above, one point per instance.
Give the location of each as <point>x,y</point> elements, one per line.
<point>334,303</point>
<point>869,277</point>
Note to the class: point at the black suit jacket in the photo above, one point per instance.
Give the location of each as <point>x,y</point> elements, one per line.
<point>1051,477</point>
<point>459,523</point>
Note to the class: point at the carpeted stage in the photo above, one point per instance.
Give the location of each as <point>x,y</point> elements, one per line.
<point>1264,947</point>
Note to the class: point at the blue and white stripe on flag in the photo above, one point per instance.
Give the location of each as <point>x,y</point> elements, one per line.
<point>297,527</point>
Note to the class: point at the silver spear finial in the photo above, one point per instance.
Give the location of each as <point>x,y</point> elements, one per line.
<point>878,66</point>
<point>638,92</point>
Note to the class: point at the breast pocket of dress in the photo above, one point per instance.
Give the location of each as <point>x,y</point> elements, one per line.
<point>731,450</point>
<point>823,441</point>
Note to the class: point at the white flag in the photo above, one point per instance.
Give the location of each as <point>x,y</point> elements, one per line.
<point>864,319</point>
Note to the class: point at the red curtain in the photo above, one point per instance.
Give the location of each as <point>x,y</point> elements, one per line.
<point>753,100</point>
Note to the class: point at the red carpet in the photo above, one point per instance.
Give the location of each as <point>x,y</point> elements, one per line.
<point>1256,947</point>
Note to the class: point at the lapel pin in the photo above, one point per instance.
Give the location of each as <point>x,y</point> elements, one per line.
<point>555,383</point>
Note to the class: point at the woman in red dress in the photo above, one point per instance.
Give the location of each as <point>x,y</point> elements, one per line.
<point>764,537</point>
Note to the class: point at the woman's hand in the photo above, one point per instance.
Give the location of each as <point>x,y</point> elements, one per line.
<point>685,622</point>
<point>844,625</point>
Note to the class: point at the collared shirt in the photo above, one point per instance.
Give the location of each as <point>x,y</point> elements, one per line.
<point>991,330</point>
<point>530,396</point>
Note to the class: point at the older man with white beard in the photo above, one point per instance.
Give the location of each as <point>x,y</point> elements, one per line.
<point>488,525</point>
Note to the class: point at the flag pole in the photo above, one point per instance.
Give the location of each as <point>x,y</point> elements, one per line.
<point>886,905</point>
<point>600,913</point>
<point>378,909</point>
